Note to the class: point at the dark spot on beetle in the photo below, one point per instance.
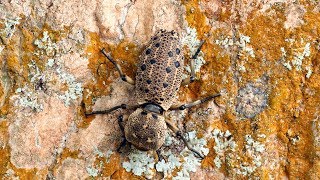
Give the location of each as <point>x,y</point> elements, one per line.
<point>140,79</point>
<point>141,89</point>
<point>161,99</point>
<point>152,61</point>
<point>148,51</point>
<point>177,64</point>
<point>144,113</point>
<point>149,81</point>
<point>168,69</point>
<point>165,85</point>
<point>143,67</point>
<point>155,38</point>
<point>146,90</point>
<point>154,116</point>
<point>158,44</point>
<point>178,51</point>
<point>170,53</point>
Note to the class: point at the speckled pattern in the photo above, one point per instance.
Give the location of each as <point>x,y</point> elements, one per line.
<point>159,70</point>
<point>145,130</point>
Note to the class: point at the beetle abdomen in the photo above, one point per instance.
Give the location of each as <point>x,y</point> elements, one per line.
<point>160,69</point>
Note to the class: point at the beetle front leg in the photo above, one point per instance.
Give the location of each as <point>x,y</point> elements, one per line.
<point>118,67</point>
<point>179,134</point>
<point>122,106</point>
<point>192,77</point>
<point>197,102</point>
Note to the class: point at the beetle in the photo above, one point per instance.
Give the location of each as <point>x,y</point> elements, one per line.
<point>158,78</point>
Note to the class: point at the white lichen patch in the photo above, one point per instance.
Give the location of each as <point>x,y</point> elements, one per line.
<point>252,159</point>
<point>46,45</point>
<point>1,48</point>
<point>189,39</point>
<point>190,164</point>
<point>197,144</point>
<point>185,161</point>
<point>284,62</point>
<point>140,163</point>
<point>245,49</point>
<point>168,165</point>
<point>105,155</point>
<point>309,71</point>
<point>93,172</point>
<point>316,131</point>
<point>300,53</point>
<point>74,88</point>
<point>10,27</point>
<point>243,43</point>
<point>26,98</point>
<point>223,143</point>
<point>300,56</point>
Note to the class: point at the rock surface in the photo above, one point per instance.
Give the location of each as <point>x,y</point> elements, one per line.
<point>262,56</point>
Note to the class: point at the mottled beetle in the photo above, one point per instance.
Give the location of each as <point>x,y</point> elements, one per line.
<point>158,79</point>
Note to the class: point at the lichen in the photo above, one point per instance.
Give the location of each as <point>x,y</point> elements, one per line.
<point>141,163</point>
<point>169,165</point>
<point>93,172</point>
<point>253,150</point>
<point>189,39</point>
<point>223,143</point>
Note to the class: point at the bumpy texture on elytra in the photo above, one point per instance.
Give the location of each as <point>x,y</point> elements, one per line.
<point>159,70</point>
<point>146,131</point>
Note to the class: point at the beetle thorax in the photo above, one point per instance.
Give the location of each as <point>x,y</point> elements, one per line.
<point>145,130</point>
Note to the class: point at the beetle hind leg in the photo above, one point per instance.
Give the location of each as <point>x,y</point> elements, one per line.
<point>179,134</point>
<point>118,67</point>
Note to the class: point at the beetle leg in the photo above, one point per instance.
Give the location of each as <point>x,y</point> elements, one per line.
<point>197,102</point>
<point>122,106</point>
<point>192,77</point>
<point>118,67</point>
<point>177,131</point>
<point>123,144</point>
